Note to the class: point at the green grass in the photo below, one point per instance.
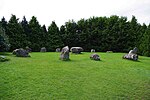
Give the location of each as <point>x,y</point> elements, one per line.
<point>45,77</point>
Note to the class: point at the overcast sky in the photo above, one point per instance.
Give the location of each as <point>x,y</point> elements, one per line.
<point>61,11</point>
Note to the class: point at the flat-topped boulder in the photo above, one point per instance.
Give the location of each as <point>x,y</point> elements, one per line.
<point>43,49</point>
<point>21,53</point>
<point>64,53</point>
<point>76,50</point>
<point>109,51</point>
<point>95,57</point>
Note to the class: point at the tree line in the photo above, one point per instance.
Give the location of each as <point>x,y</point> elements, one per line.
<point>103,34</point>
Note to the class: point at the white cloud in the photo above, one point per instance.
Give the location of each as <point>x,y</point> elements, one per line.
<point>63,10</point>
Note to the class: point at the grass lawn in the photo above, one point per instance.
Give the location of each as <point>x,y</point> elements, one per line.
<point>45,77</point>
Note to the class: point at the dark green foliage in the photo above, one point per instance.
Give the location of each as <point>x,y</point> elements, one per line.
<point>105,34</point>
<point>145,43</point>
<point>54,40</point>
<point>44,37</point>
<point>4,42</point>
<point>26,30</point>
<point>15,31</point>
<point>71,35</point>
<point>37,35</point>
<point>112,33</point>
<point>62,34</point>
<point>4,23</point>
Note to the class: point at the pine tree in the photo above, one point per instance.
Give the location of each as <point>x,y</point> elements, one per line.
<point>63,34</point>
<point>145,43</point>
<point>26,30</point>
<point>35,34</point>
<point>4,41</point>
<point>4,23</point>
<point>54,38</point>
<point>44,37</point>
<point>17,38</point>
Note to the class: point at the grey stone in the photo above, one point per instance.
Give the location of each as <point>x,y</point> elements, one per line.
<point>64,53</point>
<point>109,51</point>
<point>92,50</point>
<point>76,50</point>
<point>21,53</point>
<point>14,51</point>
<point>95,57</point>
<point>58,50</point>
<point>43,49</point>
<point>131,55</point>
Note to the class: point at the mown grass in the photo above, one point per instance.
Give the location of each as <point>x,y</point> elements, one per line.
<point>44,77</point>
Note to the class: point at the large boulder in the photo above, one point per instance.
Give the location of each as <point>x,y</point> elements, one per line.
<point>76,50</point>
<point>64,53</point>
<point>21,53</point>
<point>95,57</point>
<point>43,49</point>
<point>131,55</point>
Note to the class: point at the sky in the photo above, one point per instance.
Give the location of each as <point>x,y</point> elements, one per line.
<point>62,11</point>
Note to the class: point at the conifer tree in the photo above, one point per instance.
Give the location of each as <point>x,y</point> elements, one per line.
<point>4,41</point>
<point>54,38</point>
<point>35,34</point>
<point>145,43</point>
<point>17,38</point>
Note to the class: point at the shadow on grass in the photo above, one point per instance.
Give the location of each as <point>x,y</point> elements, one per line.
<point>10,55</point>
<point>82,53</point>
<point>98,61</point>
<point>132,60</point>
<point>6,53</point>
<point>145,58</point>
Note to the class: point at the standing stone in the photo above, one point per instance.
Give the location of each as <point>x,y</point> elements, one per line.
<point>76,50</point>
<point>92,50</point>
<point>134,51</point>
<point>131,55</point>
<point>95,57</point>
<point>14,51</point>
<point>58,50</point>
<point>43,49</point>
<point>64,53</point>
<point>21,53</point>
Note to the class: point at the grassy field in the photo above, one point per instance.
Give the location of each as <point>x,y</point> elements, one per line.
<point>44,77</point>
